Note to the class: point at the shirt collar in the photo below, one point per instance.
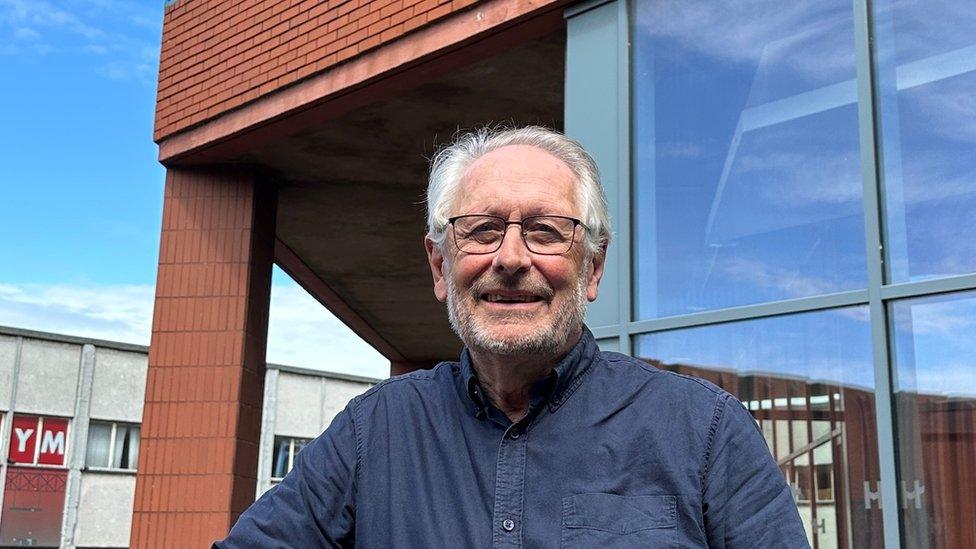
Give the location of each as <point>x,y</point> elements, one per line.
<point>557,387</point>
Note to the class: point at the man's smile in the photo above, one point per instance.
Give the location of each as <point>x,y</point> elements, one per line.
<point>510,297</point>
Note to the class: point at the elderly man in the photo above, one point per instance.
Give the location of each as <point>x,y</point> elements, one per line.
<point>534,438</point>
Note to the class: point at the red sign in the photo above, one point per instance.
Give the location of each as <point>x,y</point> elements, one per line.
<point>43,437</point>
<point>23,439</point>
<point>53,441</point>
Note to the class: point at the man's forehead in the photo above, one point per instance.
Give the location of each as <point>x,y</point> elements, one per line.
<point>519,160</point>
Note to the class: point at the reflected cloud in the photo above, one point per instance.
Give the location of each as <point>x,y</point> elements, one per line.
<point>948,318</point>
<point>803,178</point>
<point>952,380</point>
<point>785,281</point>
<point>813,39</point>
<point>922,28</point>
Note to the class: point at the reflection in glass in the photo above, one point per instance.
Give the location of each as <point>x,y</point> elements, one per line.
<point>808,380</point>
<point>747,165</point>
<point>926,83</point>
<point>933,348</point>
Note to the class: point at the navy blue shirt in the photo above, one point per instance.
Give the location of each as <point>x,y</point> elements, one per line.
<point>613,453</point>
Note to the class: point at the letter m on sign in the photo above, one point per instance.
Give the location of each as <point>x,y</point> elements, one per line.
<point>54,436</point>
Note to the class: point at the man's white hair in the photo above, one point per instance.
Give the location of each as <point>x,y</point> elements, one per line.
<point>452,162</point>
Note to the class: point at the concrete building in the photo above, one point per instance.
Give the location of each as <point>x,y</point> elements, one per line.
<point>70,415</point>
<point>791,188</point>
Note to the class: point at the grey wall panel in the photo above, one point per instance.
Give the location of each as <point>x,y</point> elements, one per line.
<point>337,394</point>
<point>119,385</point>
<point>297,406</point>
<point>48,381</point>
<point>105,509</point>
<point>8,355</point>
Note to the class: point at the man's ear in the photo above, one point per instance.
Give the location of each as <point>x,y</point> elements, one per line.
<point>436,260</point>
<point>595,268</point>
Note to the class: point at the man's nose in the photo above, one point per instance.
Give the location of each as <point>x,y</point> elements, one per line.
<point>512,256</point>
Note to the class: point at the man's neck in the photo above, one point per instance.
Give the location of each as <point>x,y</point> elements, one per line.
<point>506,380</point>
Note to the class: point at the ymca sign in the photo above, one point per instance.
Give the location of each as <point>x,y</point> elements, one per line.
<point>38,440</point>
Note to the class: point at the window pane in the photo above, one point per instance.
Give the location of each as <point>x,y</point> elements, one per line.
<point>118,454</point>
<point>133,447</point>
<point>935,403</point>
<point>808,380</point>
<point>926,59</point>
<point>300,443</point>
<point>126,453</point>
<point>747,167</point>
<point>279,465</point>
<point>99,438</point>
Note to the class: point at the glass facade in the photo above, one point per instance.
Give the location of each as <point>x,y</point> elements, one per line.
<point>934,342</point>
<point>926,82</point>
<point>799,219</point>
<point>746,154</point>
<point>808,380</point>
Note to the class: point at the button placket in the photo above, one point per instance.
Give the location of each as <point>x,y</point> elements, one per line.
<point>509,487</point>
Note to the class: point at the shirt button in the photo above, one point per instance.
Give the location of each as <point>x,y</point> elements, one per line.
<point>508,525</point>
<point>515,434</point>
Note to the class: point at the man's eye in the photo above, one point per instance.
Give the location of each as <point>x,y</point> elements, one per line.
<point>542,228</point>
<point>485,227</point>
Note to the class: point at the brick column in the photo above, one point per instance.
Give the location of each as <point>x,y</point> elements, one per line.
<point>202,418</point>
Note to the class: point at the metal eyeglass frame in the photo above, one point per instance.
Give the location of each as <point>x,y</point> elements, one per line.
<point>576,223</point>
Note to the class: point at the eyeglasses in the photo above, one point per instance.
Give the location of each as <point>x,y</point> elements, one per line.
<point>542,234</point>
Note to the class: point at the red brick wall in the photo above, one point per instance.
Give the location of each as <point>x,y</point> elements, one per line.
<point>202,418</point>
<point>220,54</point>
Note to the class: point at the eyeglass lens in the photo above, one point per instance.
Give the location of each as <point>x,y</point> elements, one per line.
<point>542,234</point>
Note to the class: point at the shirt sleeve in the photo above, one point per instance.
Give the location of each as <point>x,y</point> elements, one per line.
<point>746,502</point>
<point>314,506</point>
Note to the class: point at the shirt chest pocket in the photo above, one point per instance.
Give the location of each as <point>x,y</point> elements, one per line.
<point>610,521</point>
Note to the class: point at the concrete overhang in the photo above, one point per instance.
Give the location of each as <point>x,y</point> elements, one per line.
<point>351,182</point>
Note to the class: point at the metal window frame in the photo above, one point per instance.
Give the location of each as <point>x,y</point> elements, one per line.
<point>620,334</point>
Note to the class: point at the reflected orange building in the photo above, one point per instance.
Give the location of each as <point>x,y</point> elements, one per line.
<point>823,437</point>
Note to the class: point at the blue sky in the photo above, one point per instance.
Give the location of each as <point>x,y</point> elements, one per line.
<point>82,190</point>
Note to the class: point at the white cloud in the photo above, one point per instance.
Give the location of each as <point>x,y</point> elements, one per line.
<point>25,33</point>
<point>113,312</point>
<point>127,35</point>
<point>302,332</point>
<point>44,14</point>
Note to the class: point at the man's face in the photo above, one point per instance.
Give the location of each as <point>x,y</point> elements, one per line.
<point>513,301</point>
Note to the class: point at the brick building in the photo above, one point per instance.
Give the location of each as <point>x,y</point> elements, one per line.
<point>782,201</point>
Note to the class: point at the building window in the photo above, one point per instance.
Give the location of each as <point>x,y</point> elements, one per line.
<point>285,451</point>
<point>112,445</point>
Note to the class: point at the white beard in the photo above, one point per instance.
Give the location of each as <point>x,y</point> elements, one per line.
<point>544,340</point>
